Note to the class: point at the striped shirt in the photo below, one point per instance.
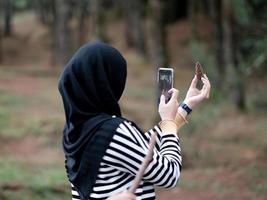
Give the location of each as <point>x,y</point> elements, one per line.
<point>124,156</point>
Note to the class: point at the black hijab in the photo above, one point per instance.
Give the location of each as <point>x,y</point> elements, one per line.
<point>90,85</point>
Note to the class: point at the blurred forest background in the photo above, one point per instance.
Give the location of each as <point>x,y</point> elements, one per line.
<point>224,145</point>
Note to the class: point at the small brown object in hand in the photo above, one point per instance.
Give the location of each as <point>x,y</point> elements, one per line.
<point>198,70</point>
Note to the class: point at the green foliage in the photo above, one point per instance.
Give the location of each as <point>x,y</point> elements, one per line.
<point>11,99</point>
<point>258,100</point>
<point>259,9</point>
<point>9,103</point>
<point>15,128</point>
<point>20,4</point>
<point>240,11</point>
<point>256,55</point>
<point>32,181</point>
<point>188,184</point>
<point>31,194</point>
<point>251,18</point>
<point>260,188</point>
<point>41,127</point>
<point>4,118</point>
<point>256,171</point>
<point>36,176</point>
<point>16,124</point>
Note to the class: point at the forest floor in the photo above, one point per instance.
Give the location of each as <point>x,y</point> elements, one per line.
<point>225,150</point>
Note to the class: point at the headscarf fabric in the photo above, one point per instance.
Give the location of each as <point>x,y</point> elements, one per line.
<point>91,85</point>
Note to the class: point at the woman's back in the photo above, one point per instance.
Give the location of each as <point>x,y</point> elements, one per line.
<point>124,156</point>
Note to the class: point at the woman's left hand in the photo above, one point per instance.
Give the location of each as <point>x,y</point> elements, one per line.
<point>194,96</point>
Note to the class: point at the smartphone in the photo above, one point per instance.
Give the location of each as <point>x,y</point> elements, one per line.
<point>165,82</point>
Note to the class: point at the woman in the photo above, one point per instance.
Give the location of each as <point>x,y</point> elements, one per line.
<point>103,150</point>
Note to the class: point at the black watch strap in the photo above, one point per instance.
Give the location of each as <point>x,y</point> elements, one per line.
<point>186,108</point>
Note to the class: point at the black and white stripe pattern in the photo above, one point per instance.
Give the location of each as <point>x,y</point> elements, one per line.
<point>124,157</point>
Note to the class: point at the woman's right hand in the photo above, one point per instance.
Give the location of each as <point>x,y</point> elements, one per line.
<point>123,196</point>
<point>168,110</point>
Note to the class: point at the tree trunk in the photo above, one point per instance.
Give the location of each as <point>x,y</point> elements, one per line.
<point>192,18</point>
<point>134,32</point>
<point>158,35</point>
<point>227,35</point>
<point>158,41</point>
<point>128,23</point>
<point>98,20</point>
<point>233,74</point>
<point>1,48</point>
<point>61,33</point>
<point>44,10</point>
<point>83,4</point>
<point>1,31</point>
<point>7,17</point>
<point>239,93</point>
<point>216,13</point>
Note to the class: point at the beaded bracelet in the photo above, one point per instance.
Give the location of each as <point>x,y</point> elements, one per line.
<point>168,121</point>
<point>170,124</point>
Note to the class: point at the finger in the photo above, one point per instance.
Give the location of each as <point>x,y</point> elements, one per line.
<point>206,82</point>
<point>203,87</point>
<point>162,100</point>
<point>206,77</point>
<point>174,93</point>
<point>206,93</point>
<point>206,88</point>
<point>194,82</point>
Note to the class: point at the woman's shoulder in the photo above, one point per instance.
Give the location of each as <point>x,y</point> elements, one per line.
<point>119,121</point>
<point>127,132</point>
<point>122,122</point>
<point>126,126</point>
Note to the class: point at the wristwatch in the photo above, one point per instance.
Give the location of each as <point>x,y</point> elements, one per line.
<point>186,108</point>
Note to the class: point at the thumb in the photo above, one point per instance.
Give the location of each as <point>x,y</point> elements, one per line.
<point>175,94</point>
<point>162,100</point>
